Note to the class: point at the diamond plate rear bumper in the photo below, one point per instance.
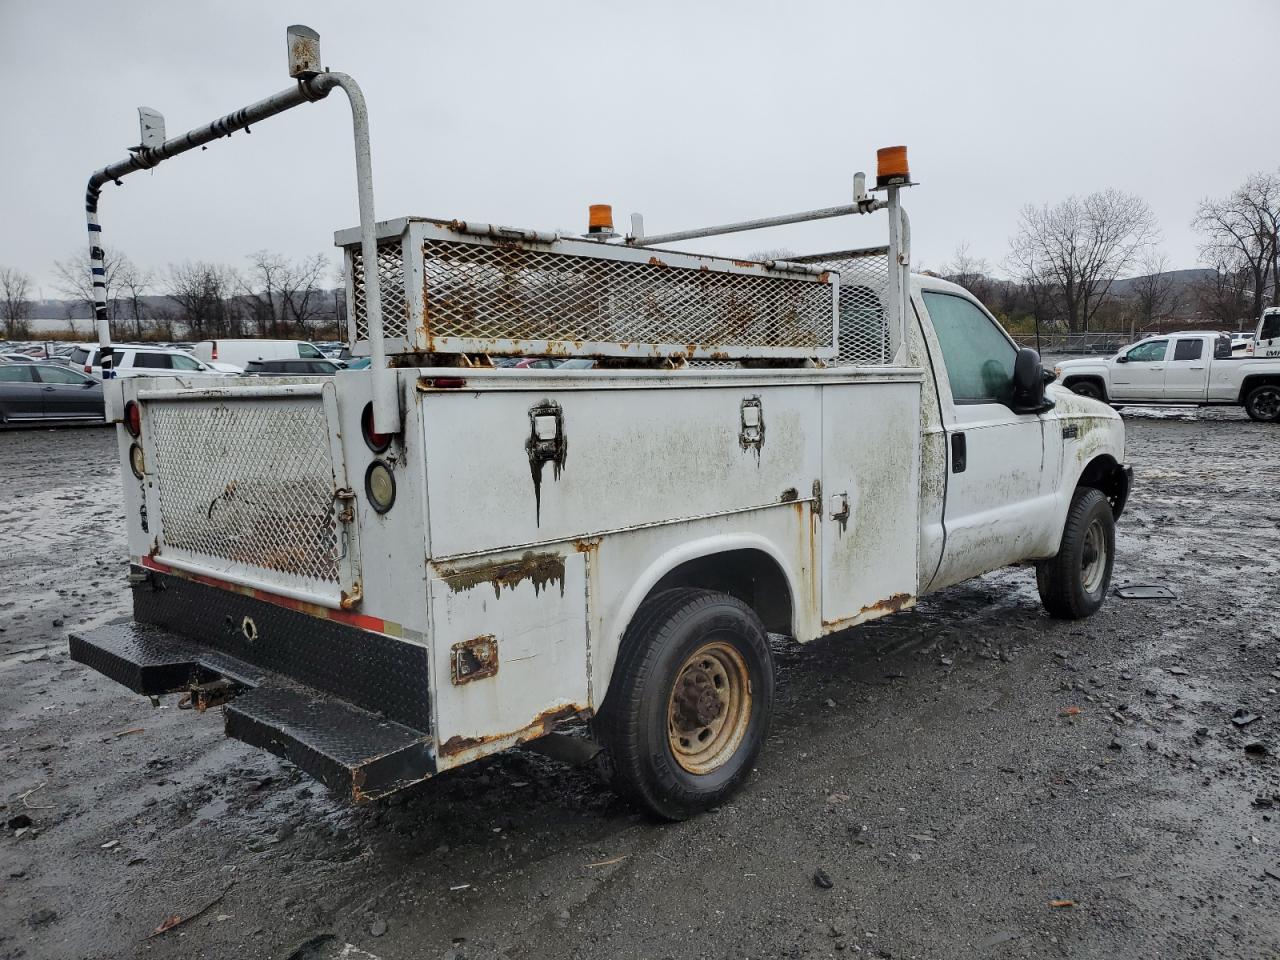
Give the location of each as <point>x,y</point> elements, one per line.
<point>351,750</point>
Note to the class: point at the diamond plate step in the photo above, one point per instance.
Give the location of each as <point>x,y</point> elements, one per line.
<point>350,750</point>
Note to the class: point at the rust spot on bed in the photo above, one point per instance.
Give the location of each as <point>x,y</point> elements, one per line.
<point>540,569</point>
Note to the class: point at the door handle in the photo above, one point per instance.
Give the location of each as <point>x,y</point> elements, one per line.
<point>1196,368</point>
<point>48,389</point>
<point>959,453</point>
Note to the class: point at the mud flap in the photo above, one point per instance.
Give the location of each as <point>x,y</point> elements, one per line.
<point>350,750</point>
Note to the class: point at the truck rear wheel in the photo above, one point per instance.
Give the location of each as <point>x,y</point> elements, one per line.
<point>1263,403</point>
<point>690,702</point>
<point>1074,583</point>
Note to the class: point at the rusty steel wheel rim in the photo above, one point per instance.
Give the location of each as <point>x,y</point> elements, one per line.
<point>709,709</point>
<point>1093,561</point>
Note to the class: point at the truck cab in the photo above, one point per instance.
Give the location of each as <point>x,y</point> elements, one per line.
<point>1266,343</point>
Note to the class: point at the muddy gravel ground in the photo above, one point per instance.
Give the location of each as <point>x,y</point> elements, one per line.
<point>971,778</point>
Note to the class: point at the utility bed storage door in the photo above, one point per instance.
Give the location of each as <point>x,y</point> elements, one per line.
<point>247,484</point>
<point>871,489</point>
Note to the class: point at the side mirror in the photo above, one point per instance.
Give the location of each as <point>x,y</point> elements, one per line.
<point>90,383</point>
<point>1122,358</point>
<point>1029,384</point>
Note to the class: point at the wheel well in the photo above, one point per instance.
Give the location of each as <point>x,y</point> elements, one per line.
<point>1257,380</point>
<point>1103,473</point>
<point>1091,378</point>
<point>752,576</point>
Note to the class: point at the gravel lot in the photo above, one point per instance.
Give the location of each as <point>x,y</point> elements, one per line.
<point>974,778</point>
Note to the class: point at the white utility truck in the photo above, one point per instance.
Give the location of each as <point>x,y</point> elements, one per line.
<point>1266,341</point>
<point>1184,369</point>
<point>395,571</point>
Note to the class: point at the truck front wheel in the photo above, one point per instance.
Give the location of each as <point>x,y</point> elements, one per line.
<point>1263,403</point>
<point>690,702</point>
<point>1074,583</point>
<point>1089,388</point>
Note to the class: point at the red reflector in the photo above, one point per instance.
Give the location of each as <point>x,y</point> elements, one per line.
<point>377,441</point>
<point>448,383</point>
<point>132,418</point>
<point>88,369</point>
<point>215,350</point>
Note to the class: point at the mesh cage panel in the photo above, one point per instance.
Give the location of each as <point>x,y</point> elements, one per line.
<point>395,307</point>
<point>511,292</point>
<point>247,481</point>
<point>864,329</point>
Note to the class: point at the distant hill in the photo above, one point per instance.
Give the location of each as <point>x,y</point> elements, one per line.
<point>1183,281</point>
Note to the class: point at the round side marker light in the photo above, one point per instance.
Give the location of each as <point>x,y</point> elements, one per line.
<point>380,486</point>
<point>136,461</point>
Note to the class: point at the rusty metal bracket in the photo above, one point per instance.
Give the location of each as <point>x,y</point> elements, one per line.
<point>215,693</point>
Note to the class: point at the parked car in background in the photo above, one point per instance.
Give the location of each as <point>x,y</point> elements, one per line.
<point>135,360</point>
<point>577,363</point>
<point>240,352</point>
<point>1179,369</point>
<point>15,357</point>
<point>48,391</point>
<point>291,368</point>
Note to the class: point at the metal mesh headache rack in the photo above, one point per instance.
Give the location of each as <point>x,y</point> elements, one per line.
<point>450,287</point>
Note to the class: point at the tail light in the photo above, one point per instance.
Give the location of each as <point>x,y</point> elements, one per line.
<point>133,418</point>
<point>88,368</point>
<point>215,350</point>
<point>377,442</point>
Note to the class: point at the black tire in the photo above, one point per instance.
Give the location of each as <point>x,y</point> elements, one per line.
<point>1090,389</point>
<point>641,718</point>
<point>1262,403</point>
<point>1072,585</point>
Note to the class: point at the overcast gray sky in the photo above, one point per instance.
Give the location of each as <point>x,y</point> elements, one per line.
<point>692,113</point>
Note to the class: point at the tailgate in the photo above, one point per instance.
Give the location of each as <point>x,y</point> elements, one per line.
<point>248,484</point>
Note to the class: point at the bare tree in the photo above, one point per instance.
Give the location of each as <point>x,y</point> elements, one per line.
<point>1224,294</point>
<point>1245,226</point>
<point>74,280</point>
<point>15,301</point>
<point>972,273</point>
<point>1154,295</point>
<point>262,287</point>
<point>134,281</point>
<point>304,300</point>
<point>205,295</point>
<point>1076,249</point>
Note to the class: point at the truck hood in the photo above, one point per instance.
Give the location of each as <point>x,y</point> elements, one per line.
<point>1081,363</point>
<point>1069,405</point>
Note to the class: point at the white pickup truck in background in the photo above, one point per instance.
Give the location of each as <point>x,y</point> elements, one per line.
<point>1184,369</point>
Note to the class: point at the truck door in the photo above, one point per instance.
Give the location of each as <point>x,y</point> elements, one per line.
<point>1138,373</point>
<point>21,396</point>
<point>999,496</point>
<point>1186,372</point>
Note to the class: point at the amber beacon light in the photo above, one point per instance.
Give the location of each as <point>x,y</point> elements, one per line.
<point>891,167</point>
<point>600,218</point>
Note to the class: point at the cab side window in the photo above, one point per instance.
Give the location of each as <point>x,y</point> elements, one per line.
<point>17,373</point>
<point>1148,352</point>
<point>1188,349</point>
<point>152,361</point>
<point>978,355</point>
<point>180,362</point>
